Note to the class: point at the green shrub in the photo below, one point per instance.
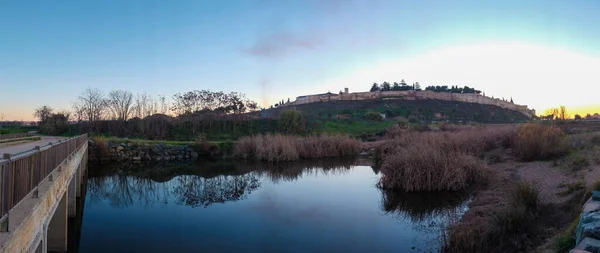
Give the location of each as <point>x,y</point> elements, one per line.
<point>374,116</point>
<point>291,121</point>
<point>412,120</point>
<point>579,162</point>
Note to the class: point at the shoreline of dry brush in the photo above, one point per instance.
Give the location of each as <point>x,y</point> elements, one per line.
<point>439,161</point>
<point>283,148</point>
<point>452,160</point>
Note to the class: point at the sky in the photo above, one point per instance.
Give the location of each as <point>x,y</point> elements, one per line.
<point>542,53</point>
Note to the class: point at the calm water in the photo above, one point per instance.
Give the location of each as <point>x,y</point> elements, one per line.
<point>224,207</point>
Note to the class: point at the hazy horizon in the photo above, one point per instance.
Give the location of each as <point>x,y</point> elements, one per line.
<point>540,53</point>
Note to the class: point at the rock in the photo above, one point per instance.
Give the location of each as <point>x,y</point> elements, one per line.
<point>120,148</point>
<point>589,226</point>
<point>578,251</point>
<point>589,244</point>
<point>596,195</point>
<point>91,143</point>
<point>137,158</point>
<point>194,155</point>
<point>147,157</point>
<point>591,206</point>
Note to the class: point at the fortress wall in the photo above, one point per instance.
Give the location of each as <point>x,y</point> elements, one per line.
<point>418,95</point>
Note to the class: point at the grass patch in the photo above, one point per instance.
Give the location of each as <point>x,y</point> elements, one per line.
<point>355,128</point>
<point>21,140</point>
<point>566,240</point>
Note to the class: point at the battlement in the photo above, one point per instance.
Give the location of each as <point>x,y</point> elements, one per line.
<point>414,95</point>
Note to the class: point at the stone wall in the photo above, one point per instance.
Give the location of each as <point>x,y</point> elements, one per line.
<point>417,95</point>
<point>135,152</point>
<point>588,230</point>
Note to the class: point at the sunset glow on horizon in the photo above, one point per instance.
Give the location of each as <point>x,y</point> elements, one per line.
<point>541,54</point>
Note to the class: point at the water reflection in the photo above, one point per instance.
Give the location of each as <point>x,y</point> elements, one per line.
<point>195,185</point>
<point>419,207</point>
<point>315,206</point>
<point>195,191</point>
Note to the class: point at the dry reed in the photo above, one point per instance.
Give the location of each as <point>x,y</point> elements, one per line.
<point>281,148</point>
<point>439,161</point>
<point>535,141</point>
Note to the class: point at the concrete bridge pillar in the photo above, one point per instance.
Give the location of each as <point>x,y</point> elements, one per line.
<point>72,195</point>
<point>79,177</point>
<point>57,229</point>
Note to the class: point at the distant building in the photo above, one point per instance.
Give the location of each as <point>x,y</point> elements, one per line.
<point>304,99</point>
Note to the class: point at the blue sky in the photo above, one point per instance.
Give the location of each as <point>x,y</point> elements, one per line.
<point>50,51</point>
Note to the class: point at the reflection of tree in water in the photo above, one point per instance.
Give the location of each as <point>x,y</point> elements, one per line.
<point>282,172</point>
<point>123,191</point>
<point>200,184</point>
<point>195,191</point>
<point>422,206</point>
<point>428,212</point>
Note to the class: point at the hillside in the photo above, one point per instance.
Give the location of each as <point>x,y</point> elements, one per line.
<point>423,110</point>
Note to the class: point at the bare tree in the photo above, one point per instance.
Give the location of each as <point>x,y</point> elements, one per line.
<point>562,113</point>
<point>144,105</point>
<point>78,111</point>
<point>43,113</point>
<point>93,103</point>
<point>164,107</point>
<point>120,104</point>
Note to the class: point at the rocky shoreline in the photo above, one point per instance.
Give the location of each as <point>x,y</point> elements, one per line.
<point>139,153</point>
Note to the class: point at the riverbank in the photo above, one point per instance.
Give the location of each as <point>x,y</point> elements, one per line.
<point>101,150</point>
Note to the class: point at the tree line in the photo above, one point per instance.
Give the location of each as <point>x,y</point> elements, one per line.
<point>402,86</point>
<point>93,106</point>
<point>385,86</point>
<point>453,89</point>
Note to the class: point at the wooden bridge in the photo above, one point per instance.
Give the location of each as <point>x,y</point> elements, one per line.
<point>39,188</point>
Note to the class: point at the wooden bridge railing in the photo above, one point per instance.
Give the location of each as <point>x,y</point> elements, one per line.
<point>21,173</point>
<point>13,136</point>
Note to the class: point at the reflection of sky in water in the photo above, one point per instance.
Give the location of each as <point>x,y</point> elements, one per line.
<point>337,210</point>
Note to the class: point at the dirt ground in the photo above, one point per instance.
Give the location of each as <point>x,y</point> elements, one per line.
<point>561,193</point>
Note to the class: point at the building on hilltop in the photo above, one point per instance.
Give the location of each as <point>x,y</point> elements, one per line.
<point>305,99</point>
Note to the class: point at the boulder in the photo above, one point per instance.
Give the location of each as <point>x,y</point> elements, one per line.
<point>589,226</point>
<point>589,245</point>
<point>596,195</point>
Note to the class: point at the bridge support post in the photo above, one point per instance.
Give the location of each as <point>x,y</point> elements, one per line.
<point>79,179</point>
<point>57,229</point>
<point>72,196</point>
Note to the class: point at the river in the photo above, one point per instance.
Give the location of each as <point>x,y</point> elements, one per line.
<point>322,206</point>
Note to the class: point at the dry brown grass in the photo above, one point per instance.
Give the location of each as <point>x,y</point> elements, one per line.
<point>280,148</point>
<point>535,141</point>
<point>102,145</point>
<point>501,230</point>
<point>439,161</point>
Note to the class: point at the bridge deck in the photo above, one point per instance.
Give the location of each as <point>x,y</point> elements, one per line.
<point>7,148</point>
